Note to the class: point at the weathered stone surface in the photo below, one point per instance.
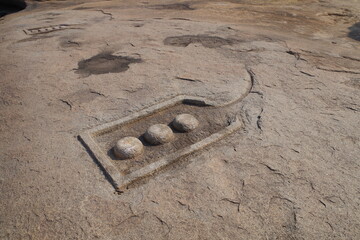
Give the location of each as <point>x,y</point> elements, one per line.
<point>292,173</point>
<point>185,122</point>
<point>159,134</point>
<point>128,147</point>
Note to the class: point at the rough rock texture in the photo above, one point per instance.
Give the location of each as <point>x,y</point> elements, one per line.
<point>292,173</point>
<point>128,147</point>
<point>159,134</point>
<point>185,122</point>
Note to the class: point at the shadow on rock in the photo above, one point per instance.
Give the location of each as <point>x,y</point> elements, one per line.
<point>11,6</point>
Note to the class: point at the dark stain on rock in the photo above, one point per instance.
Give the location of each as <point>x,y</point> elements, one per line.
<point>105,63</point>
<point>355,31</point>
<point>82,8</point>
<point>354,82</point>
<point>205,40</point>
<point>174,6</point>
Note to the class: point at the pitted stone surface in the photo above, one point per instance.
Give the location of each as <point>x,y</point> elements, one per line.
<point>128,147</point>
<point>159,134</point>
<point>185,122</point>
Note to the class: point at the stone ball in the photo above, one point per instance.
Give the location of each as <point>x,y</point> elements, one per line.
<point>185,122</point>
<point>128,147</point>
<point>159,134</point>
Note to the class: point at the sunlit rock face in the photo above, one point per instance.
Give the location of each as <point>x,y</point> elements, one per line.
<point>289,69</point>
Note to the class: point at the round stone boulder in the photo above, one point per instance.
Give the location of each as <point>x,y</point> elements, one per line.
<point>185,122</point>
<point>128,147</point>
<point>159,134</point>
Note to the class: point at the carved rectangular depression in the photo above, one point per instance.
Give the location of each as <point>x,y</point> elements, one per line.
<point>100,140</point>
